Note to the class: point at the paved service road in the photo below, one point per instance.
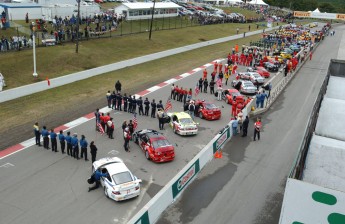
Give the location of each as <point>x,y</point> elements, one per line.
<point>39,186</point>
<point>247,184</point>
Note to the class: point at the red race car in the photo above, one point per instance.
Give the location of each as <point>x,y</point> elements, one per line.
<point>229,95</point>
<point>155,145</point>
<point>208,110</point>
<point>263,72</point>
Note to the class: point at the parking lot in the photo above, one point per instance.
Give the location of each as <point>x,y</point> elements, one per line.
<point>46,187</point>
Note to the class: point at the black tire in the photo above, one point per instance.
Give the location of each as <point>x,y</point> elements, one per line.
<point>201,116</point>
<point>147,155</point>
<point>106,192</point>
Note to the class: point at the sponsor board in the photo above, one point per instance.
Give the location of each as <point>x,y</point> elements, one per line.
<point>341,16</point>
<point>182,182</point>
<point>221,140</point>
<point>301,14</point>
<point>144,219</point>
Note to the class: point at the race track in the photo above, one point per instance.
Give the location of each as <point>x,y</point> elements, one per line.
<point>247,184</point>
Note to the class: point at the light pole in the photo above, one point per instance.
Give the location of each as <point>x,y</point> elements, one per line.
<point>153,12</point>
<point>34,48</point>
<point>77,46</point>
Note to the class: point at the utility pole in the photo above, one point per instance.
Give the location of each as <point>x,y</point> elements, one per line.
<point>78,20</point>
<point>153,12</point>
<point>34,48</point>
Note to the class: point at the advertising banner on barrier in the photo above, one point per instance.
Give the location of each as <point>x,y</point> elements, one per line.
<point>221,140</point>
<point>144,219</point>
<point>301,14</point>
<point>341,16</point>
<point>178,186</point>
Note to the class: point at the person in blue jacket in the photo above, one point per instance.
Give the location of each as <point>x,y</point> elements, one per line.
<point>45,134</point>
<point>97,176</point>
<point>68,139</point>
<point>62,141</point>
<point>53,137</point>
<point>75,146</point>
<point>83,147</point>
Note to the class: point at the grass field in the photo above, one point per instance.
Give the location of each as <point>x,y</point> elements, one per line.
<point>61,60</point>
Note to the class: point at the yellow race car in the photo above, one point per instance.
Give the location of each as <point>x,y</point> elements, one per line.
<point>285,55</point>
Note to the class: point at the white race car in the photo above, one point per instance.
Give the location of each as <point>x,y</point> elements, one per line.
<point>120,184</point>
<point>182,123</point>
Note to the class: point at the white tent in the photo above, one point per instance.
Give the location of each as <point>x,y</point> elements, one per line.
<point>316,10</point>
<point>233,1</point>
<point>257,2</point>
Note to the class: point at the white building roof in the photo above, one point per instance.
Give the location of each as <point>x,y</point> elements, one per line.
<point>309,203</point>
<point>335,88</point>
<point>325,164</point>
<point>331,120</point>
<point>149,5</point>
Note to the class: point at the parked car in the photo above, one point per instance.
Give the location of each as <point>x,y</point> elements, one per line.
<point>272,67</point>
<point>260,70</point>
<point>120,184</point>
<point>247,87</point>
<point>182,123</point>
<point>48,40</point>
<point>155,145</point>
<point>208,111</point>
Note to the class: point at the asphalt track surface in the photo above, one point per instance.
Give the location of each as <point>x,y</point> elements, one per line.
<point>247,185</point>
<point>39,186</point>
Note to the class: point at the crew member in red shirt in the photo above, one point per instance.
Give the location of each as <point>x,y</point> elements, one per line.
<point>204,74</point>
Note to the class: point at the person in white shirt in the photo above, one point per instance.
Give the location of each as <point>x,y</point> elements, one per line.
<point>219,91</point>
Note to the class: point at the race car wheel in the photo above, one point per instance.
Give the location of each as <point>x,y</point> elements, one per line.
<point>147,155</point>
<point>200,115</point>
<point>106,192</point>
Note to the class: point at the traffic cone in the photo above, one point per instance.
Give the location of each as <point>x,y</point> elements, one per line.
<point>218,155</point>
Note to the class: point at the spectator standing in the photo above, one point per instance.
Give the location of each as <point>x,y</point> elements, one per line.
<point>226,78</point>
<point>125,102</point>
<point>160,115</point>
<point>172,91</point>
<point>234,126</point>
<point>45,134</point>
<point>153,108</point>
<point>110,125</point>
<point>93,151</point>
<point>205,85</point>
<point>118,86</point>
<point>212,83</point>
<point>127,137</point>
<point>69,144</point>
<point>75,146</point>
<point>37,134</point>
<point>108,96</point>
<point>140,106</point>
<point>147,106</point>
<point>119,101</point>
<point>219,91</point>
<point>62,142</point>
<point>200,84</point>
<point>191,109</point>
<point>262,100</point>
<point>245,126</point>
<point>53,137</point>
<point>257,129</point>
<point>83,147</point>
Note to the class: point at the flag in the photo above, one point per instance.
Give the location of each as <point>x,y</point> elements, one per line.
<point>48,81</point>
<point>168,105</point>
<point>135,121</point>
<point>100,128</point>
<point>196,89</point>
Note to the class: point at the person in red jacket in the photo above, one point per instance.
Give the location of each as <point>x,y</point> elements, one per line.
<point>220,66</point>
<point>204,74</point>
<point>215,66</point>
<point>106,119</point>
<point>236,58</point>
<point>310,55</point>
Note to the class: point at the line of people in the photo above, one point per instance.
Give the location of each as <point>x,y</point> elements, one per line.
<point>68,142</point>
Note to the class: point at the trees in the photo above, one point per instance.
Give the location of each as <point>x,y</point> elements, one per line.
<point>326,7</point>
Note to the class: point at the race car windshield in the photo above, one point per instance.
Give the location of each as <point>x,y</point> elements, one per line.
<point>186,121</point>
<point>236,94</point>
<point>123,177</point>
<point>210,106</point>
<point>160,143</point>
